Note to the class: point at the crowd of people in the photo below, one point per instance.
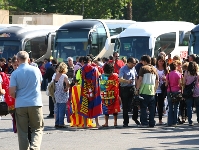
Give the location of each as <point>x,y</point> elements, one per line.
<point>91,87</point>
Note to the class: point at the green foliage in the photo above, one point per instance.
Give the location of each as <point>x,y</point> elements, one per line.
<point>141,10</point>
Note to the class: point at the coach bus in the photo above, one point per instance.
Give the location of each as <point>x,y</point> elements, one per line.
<point>140,39</point>
<point>87,36</point>
<point>194,41</point>
<point>30,38</point>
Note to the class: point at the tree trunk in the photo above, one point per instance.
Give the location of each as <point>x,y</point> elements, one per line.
<point>129,10</point>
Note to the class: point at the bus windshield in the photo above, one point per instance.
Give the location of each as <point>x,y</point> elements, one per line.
<point>71,43</point>
<point>9,48</point>
<point>133,47</point>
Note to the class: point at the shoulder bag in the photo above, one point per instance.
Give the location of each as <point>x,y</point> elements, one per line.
<point>188,90</point>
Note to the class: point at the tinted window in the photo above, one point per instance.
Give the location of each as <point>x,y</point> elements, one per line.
<point>36,47</point>
<point>117,28</point>
<point>165,42</point>
<point>9,48</point>
<point>185,40</point>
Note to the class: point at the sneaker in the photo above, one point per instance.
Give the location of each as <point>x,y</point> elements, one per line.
<point>137,122</point>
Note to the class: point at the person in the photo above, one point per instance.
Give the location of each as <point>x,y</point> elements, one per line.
<point>25,84</point>
<point>189,77</point>
<point>70,69</point>
<point>124,60</point>
<point>14,62</point>
<point>146,86</point>
<point>160,95</point>
<point>128,79</point>
<point>109,85</point>
<point>61,94</point>
<point>78,65</point>
<point>8,68</point>
<point>169,60</point>
<point>192,57</point>
<point>43,71</point>
<point>173,83</point>
<point>32,62</point>
<point>90,101</point>
<point>48,76</point>
<point>117,62</point>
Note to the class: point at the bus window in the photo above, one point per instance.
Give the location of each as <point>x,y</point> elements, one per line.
<point>36,47</point>
<point>165,43</point>
<point>117,28</point>
<point>9,48</point>
<point>185,41</point>
<point>98,39</point>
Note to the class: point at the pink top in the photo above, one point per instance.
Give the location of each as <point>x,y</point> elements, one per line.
<point>173,80</point>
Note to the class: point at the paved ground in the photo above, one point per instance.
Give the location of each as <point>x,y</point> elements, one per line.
<point>158,138</point>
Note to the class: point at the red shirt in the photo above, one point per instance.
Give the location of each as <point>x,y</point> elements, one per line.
<point>118,64</point>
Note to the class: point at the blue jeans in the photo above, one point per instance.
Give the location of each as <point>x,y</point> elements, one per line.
<point>189,105</point>
<point>196,100</point>
<point>149,101</point>
<point>173,111</point>
<point>60,114</point>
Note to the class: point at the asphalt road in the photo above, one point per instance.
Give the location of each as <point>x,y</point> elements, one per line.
<point>158,138</point>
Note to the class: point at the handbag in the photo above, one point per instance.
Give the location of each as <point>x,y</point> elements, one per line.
<point>3,109</point>
<point>188,90</point>
<point>175,97</point>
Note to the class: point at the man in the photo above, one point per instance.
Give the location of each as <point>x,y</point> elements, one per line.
<point>128,79</point>
<point>78,65</point>
<point>14,62</point>
<point>146,86</point>
<point>32,63</point>
<point>2,64</point>
<point>48,75</point>
<point>117,63</point>
<point>192,57</point>
<point>25,87</point>
<point>70,72</point>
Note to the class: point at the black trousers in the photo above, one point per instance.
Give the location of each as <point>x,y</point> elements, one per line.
<point>126,97</point>
<point>159,97</point>
<point>51,106</point>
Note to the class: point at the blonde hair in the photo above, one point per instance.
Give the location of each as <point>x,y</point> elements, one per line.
<point>62,68</point>
<point>178,62</point>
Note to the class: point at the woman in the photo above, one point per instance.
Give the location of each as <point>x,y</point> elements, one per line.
<point>109,85</point>
<point>189,77</point>
<point>173,83</point>
<point>160,92</point>
<point>61,94</point>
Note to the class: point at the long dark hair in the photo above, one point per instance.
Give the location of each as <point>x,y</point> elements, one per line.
<point>164,65</point>
<point>192,68</point>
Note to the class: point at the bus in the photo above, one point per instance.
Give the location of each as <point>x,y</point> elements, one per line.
<point>30,38</point>
<point>150,38</point>
<point>194,41</point>
<point>87,36</point>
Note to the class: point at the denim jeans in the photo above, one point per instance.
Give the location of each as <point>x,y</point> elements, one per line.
<point>173,111</point>
<point>61,111</point>
<point>189,105</point>
<point>149,101</point>
<point>196,100</point>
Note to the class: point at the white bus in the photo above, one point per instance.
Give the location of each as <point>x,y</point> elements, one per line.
<point>150,38</point>
<point>30,38</point>
<point>87,36</point>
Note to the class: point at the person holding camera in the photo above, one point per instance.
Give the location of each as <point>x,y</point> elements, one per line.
<point>146,86</point>
<point>128,79</point>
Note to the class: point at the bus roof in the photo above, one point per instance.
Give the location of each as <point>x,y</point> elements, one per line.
<point>22,31</point>
<point>155,28</point>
